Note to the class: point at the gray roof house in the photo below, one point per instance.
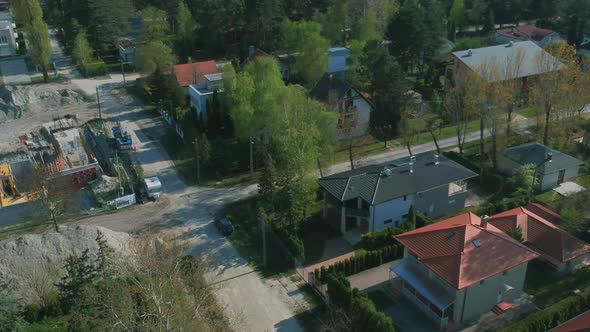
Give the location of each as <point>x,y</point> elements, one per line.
<point>376,197</point>
<point>515,60</point>
<point>352,106</point>
<point>553,167</point>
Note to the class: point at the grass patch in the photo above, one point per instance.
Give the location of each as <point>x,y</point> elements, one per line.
<point>183,156</point>
<point>381,300</point>
<point>550,198</point>
<point>52,79</point>
<point>527,112</point>
<point>547,289</point>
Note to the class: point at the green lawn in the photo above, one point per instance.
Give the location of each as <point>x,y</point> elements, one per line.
<point>527,112</point>
<point>547,289</point>
<point>375,148</point>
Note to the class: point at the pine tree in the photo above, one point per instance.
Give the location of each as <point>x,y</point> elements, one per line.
<point>104,255</point>
<point>80,271</point>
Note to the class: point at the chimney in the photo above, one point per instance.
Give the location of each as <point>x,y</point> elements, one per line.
<point>484,221</point>
<point>469,53</point>
<point>189,60</point>
<point>549,156</point>
<point>251,50</point>
<point>412,161</point>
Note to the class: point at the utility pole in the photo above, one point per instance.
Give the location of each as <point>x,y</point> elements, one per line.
<point>123,71</point>
<point>251,155</point>
<point>198,161</point>
<point>98,100</point>
<point>262,225</point>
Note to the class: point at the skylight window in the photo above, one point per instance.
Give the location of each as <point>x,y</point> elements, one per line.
<point>450,235</point>
<point>476,243</point>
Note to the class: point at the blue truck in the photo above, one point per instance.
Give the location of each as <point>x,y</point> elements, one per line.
<point>123,139</point>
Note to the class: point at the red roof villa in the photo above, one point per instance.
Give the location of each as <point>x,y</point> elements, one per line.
<point>460,268</point>
<point>194,73</point>
<point>559,249</point>
<point>530,32</point>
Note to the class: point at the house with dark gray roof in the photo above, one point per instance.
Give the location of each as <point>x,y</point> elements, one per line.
<point>353,107</point>
<point>379,196</point>
<point>553,167</point>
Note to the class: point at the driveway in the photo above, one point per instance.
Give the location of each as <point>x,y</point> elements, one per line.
<point>371,278</point>
<point>15,71</point>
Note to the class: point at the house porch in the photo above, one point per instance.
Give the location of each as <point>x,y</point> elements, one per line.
<point>423,292</point>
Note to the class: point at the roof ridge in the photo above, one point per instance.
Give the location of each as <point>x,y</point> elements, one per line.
<point>345,188</point>
<point>375,190</point>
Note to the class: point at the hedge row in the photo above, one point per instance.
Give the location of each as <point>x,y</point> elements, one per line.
<point>360,262</point>
<point>98,68</point>
<point>553,315</point>
<point>362,311</point>
<point>488,178</point>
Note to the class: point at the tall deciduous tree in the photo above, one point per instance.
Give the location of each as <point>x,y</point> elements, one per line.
<point>81,51</point>
<point>185,28</point>
<point>335,21</point>
<point>287,126</point>
<point>303,41</point>
<point>30,14</point>
<point>456,18</point>
<point>387,87</point>
<point>108,19</point>
<point>153,56</point>
<point>155,25</point>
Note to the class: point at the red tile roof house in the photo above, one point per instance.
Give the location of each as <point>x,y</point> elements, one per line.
<point>460,268</point>
<point>199,80</point>
<point>561,250</point>
<point>530,32</point>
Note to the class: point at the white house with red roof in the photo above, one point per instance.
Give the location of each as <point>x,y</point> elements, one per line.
<point>200,80</point>
<point>561,250</point>
<point>526,32</point>
<point>460,268</point>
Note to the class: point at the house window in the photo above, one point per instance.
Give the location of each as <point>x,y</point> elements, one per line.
<point>405,216</point>
<point>481,283</point>
<point>405,198</point>
<point>396,223</point>
<point>452,201</point>
<point>504,274</point>
<point>419,195</point>
<point>388,221</point>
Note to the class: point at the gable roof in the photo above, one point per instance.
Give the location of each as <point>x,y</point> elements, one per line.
<point>525,32</point>
<point>194,73</point>
<point>541,234</point>
<point>383,182</point>
<point>255,54</point>
<point>328,84</point>
<point>536,153</point>
<point>525,55</point>
<point>463,252</point>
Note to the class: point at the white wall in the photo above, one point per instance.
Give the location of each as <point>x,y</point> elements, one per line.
<point>549,181</point>
<point>199,101</point>
<point>364,116</point>
<point>393,209</point>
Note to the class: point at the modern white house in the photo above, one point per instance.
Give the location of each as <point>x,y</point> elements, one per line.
<point>537,35</point>
<point>376,197</point>
<point>201,92</point>
<point>8,35</point>
<point>458,269</point>
<point>553,167</point>
<point>353,107</point>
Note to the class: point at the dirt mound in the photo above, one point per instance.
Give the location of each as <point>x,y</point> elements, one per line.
<point>15,100</point>
<point>35,261</point>
<point>105,184</point>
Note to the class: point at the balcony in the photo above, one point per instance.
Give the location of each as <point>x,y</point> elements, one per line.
<point>353,212</point>
<point>456,188</point>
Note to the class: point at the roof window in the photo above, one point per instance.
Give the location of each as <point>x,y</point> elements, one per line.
<point>476,243</point>
<point>451,234</point>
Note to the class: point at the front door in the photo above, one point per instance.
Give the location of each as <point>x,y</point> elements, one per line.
<point>561,177</point>
<point>499,299</point>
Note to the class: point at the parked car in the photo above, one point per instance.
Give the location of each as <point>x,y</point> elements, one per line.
<point>224,226</point>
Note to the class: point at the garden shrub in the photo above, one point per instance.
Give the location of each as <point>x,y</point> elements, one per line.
<point>339,290</point>
<point>93,69</point>
<point>553,315</point>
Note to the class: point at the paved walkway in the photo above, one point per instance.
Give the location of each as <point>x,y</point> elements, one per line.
<point>371,278</point>
<point>15,71</point>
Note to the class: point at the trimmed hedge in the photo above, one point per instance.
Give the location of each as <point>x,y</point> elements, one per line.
<point>362,311</point>
<point>553,315</point>
<point>98,68</point>
<point>360,262</point>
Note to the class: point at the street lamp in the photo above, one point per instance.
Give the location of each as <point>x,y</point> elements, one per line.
<point>548,158</point>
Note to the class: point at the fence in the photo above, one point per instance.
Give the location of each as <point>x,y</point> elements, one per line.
<point>170,120</point>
